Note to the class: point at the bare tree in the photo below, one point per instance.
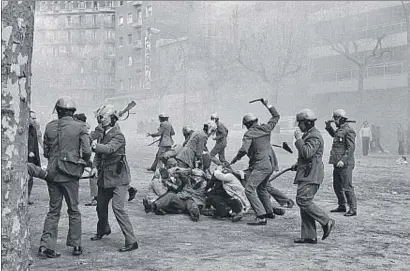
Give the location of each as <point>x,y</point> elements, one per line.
<point>274,51</point>
<point>17,44</point>
<point>407,16</point>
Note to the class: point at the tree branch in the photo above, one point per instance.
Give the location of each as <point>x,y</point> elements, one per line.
<point>374,54</point>
<point>345,52</point>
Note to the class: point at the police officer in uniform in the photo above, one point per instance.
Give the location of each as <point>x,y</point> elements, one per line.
<point>165,131</point>
<point>342,158</point>
<point>256,144</point>
<point>111,167</point>
<point>309,176</point>
<point>67,148</point>
<point>221,135</point>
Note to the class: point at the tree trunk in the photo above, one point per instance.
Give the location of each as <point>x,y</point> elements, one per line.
<point>17,44</point>
<point>360,89</point>
<point>407,16</point>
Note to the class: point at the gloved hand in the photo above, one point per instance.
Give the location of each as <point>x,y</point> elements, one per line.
<point>31,154</point>
<point>94,144</point>
<point>294,167</point>
<point>265,102</point>
<point>298,134</point>
<point>340,164</point>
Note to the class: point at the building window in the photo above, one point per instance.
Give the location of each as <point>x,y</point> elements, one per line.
<point>344,75</point>
<point>393,69</point>
<point>69,38</point>
<point>82,5</point>
<point>69,21</point>
<point>94,35</point>
<point>148,11</point>
<point>112,65</point>
<point>139,35</point>
<point>121,62</point>
<point>130,86</point>
<point>95,20</point>
<point>55,51</point>
<point>95,65</point>
<point>62,5</point>
<point>121,41</point>
<point>130,61</point>
<point>375,71</point>
<point>113,20</point>
<point>95,4</point>
<point>121,85</point>
<point>88,4</point>
<point>129,18</point>
<point>120,21</point>
<point>129,36</point>
<point>75,4</point>
<point>81,50</point>
<point>121,3</point>
<point>139,15</point>
<point>81,20</point>
<point>82,36</point>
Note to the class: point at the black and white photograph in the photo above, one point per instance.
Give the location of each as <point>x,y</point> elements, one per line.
<point>205,135</point>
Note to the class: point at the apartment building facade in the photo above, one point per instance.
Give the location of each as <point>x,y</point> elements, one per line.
<point>73,53</point>
<point>334,78</point>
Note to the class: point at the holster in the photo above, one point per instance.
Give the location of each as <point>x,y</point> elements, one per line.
<point>120,165</point>
<point>308,169</point>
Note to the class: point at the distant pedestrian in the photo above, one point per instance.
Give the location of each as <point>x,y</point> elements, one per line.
<point>377,137</point>
<point>366,137</point>
<point>33,150</point>
<point>400,139</point>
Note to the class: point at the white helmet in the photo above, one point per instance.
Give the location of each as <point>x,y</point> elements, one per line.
<point>214,116</point>
<point>105,112</point>
<point>306,114</point>
<point>341,113</point>
<point>211,126</point>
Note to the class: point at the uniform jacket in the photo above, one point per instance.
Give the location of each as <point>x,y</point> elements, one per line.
<point>75,146</point>
<point>221,134</point>
<point>165,131</point>
<point>33,146</point>
<point>343,145</point>
<point>194,148</point>
<point>110,160</point>
<point>256,143</point>
<point>310,168</point>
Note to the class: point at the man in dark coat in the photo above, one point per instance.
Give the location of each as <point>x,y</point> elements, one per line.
<point>33,151</point>
<point>342,159</point>
<point>67,148</point>
<point>309,177</point>
<point>165,132</point>
<point>256,144</point>
<point>111,167</point>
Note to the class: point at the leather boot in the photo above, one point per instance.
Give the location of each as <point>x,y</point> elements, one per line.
<point>339,209</point>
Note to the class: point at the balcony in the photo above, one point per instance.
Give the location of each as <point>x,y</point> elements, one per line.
<point>138,23</point>
<point>137,44</point>
<point>136,3</point>
<point>110,54</point>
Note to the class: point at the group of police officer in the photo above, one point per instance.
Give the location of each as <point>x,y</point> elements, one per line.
<point>68,147</point>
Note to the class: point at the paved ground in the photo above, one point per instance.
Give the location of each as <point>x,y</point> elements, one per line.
<point>377,239</point>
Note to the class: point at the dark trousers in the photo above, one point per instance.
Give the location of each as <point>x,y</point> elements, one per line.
<point>309,211</point>
<point>365,145</point>
<point>118,195</point>
<point>343,187</point>
<point>56,191</point>
<point>171,203</point>
<point>401,148</point>
<point>219,150</point>
<point>255,189</point>
<point>280,198</point>
<point>157,160</point>
<point>223,204</point>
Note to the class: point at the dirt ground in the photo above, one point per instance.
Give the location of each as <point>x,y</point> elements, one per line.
<point>377,239</point>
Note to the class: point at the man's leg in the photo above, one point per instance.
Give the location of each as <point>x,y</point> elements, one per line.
<point>264,195</point>
<point>155,163</point>
<point>256,177</point>
<point>221,209</point>
<point>30,188</point>
<point>50,230</point>
<point>309,211</point>
<point>192,209</point>
<point>221,155</point>
<point>93,192</point>
<point>70,192</point>
<point>103,198</point>
<point>280,198</point>
<point>338,188</point>
<point>215,150</point>
<point>36,171</point>
<point>346,176</point>
<point>118,206</point>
